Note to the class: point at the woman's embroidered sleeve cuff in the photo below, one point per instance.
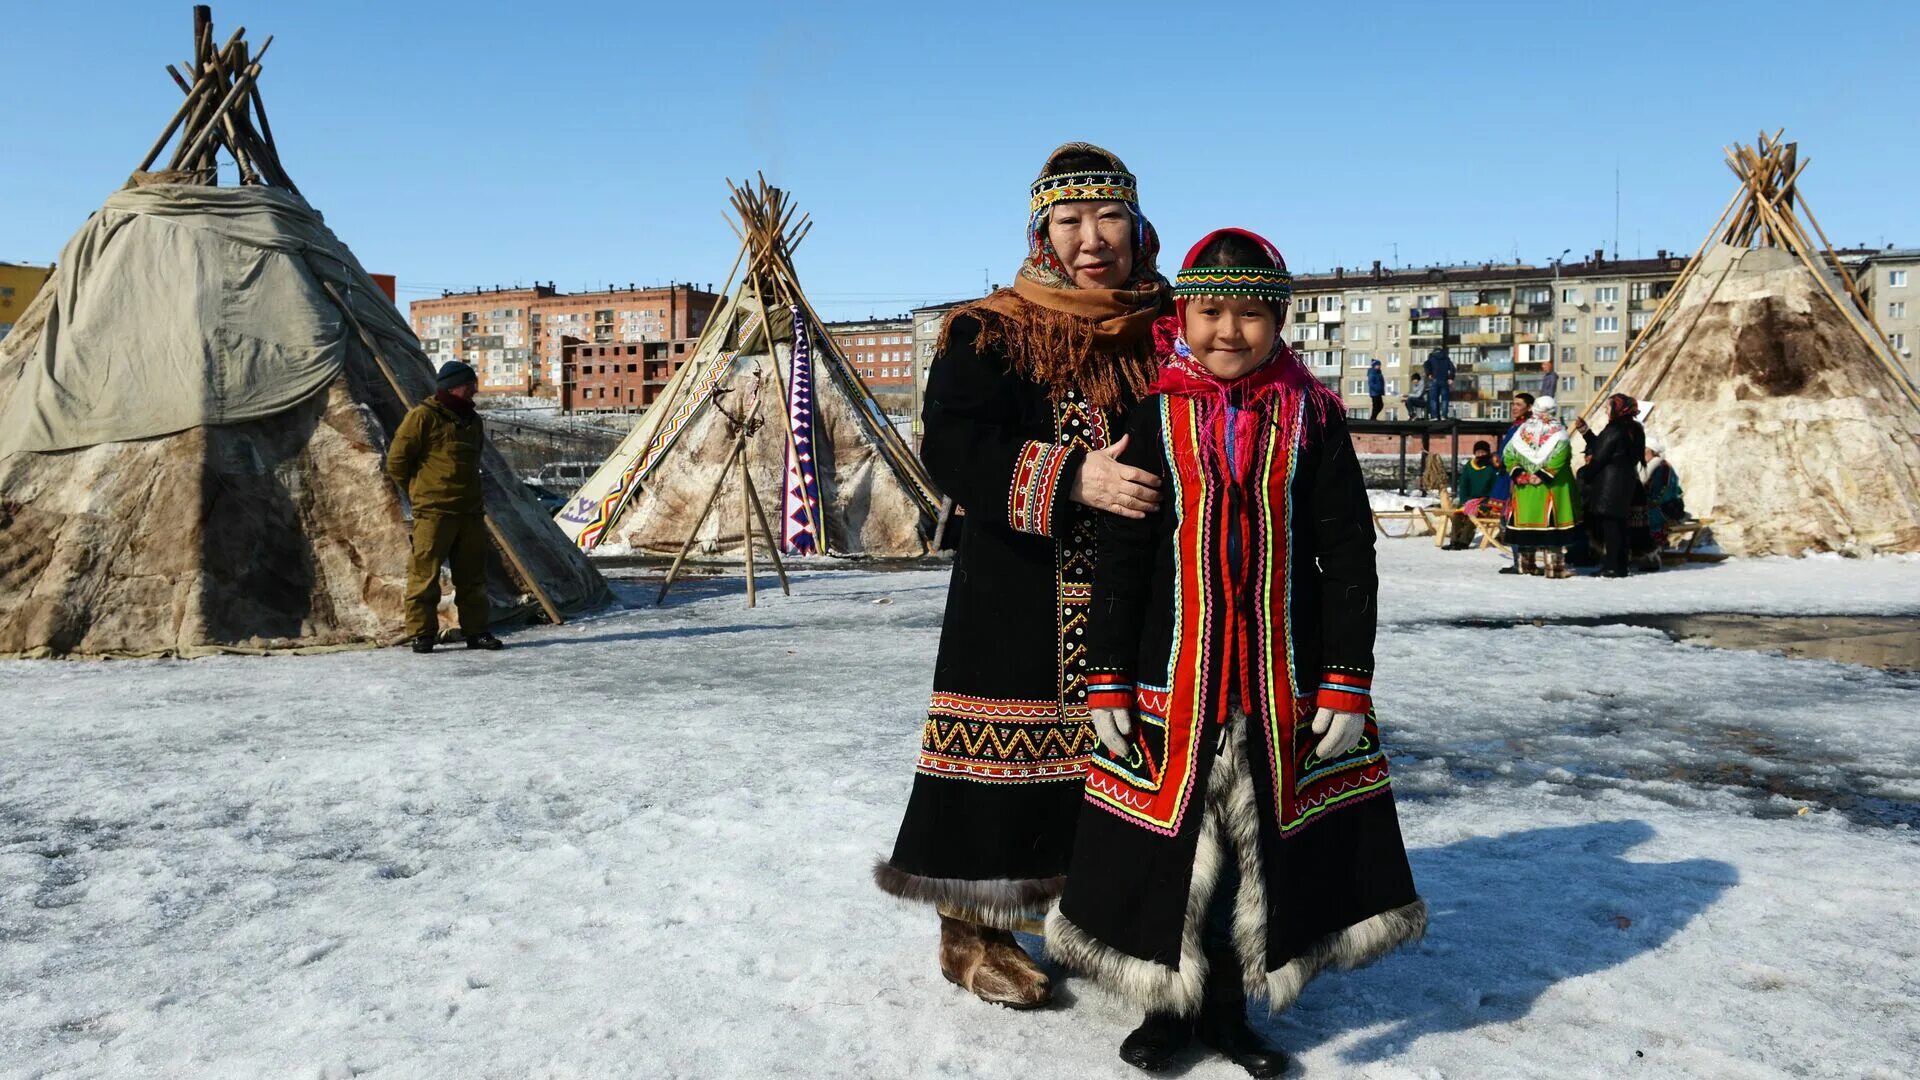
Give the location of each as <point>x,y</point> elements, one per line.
<point>1109,692</point>
<point>1040,476</point>
<point>1345,691</point>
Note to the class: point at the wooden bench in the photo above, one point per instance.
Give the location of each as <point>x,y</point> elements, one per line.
<point>1486,527</point>
<point>1689,530</point>
<point>1415,517</point>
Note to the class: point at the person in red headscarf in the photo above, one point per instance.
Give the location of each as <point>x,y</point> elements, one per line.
<point>1239,832</point>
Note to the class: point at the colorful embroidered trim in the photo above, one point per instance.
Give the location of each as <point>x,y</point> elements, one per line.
<point>1084,187</point>
<point>1345,692</point>
<point>1109,692</point>
<point>1004,741</point>
<point>1036,473</point>
<point>1258,282</point>
<point>800,509</point>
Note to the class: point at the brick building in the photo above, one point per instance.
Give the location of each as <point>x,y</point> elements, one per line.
<point>881,350</point>
<point>515,338</point>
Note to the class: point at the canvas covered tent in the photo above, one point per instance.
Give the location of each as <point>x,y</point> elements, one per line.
<point>194,414</point>
<point>1785,410</point>
<point>824,458</point>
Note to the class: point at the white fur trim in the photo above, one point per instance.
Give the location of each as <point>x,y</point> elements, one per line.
<point>1356,946</point>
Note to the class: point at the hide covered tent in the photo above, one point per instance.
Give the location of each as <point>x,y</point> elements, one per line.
<point>195,410</point>
<point>1784,408</point>
<point>822,456</point>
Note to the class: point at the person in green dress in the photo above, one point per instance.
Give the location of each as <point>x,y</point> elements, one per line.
<point>1546,503</point>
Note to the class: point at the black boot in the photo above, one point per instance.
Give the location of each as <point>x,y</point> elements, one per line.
<point>484,640</point>
<point>423,643</point>
<point>1223,1021</point>
<point>1157,1041</point>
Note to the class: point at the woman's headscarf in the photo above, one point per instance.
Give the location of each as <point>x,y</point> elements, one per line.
<point>1540,434</point>
<point>1096,341</point>
<point>1620,405</point>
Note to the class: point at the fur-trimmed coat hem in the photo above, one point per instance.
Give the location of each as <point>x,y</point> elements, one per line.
<point>1006,904</point>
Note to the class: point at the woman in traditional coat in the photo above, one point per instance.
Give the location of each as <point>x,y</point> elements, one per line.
<point>1023,404</point>
<point>1545,510</point>
<point>1617,492</point>
<point>1666,502</point>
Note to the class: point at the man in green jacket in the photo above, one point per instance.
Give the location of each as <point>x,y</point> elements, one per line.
<point>435,458</point>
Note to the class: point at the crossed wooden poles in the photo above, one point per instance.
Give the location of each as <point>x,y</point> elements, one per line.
<point>743,426</point>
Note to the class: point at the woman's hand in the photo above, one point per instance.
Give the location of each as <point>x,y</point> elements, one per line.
<point>1342,731</point>
<point>1113,726</point>
<point>1105,484</point>
<point>1579,423</point>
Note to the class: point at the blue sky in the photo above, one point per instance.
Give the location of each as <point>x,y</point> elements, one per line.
<point>478,143</point>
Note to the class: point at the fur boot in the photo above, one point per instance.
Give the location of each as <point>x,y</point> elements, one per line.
<point>1555,562</point>
<point>1223,1021</point>
<point>991,965</point>
<point>1529,562</point>
<point>1153,1045</point>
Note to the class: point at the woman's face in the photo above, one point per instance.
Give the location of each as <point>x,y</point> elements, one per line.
<point>1094,240</point>
<point>1230,335</point>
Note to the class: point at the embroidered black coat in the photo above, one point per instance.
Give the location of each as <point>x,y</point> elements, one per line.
<point>1255,597</point>
<point>997,789</point>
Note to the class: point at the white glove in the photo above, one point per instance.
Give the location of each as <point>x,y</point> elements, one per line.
<point>1113,727</point>
<point>1342,731</point>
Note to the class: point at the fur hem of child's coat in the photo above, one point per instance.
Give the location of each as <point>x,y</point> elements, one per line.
<point>1154,986</point>
<point>1006,904</point>
<point>1356,946</point>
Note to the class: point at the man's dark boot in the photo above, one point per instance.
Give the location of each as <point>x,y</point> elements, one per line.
<point>1157,1041</point>
<point>486,641</point>
<point>423,643</point>
<point>1223,1021</point>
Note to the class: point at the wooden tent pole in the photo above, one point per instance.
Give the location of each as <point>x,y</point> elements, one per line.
<point>773,542</point>
<point>1846,276</point>
<point>195,94</point>
<point>1873,346</point>
<point>1641,340</point>
<point>400,395</point>
<point>720,481</point>
<point>746,524</point>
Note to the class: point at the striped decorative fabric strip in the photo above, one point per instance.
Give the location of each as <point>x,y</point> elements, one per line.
<point>1036,473</point>
<point>1258,282</point>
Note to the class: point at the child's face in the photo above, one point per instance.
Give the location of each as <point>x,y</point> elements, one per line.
<point>1230,335</point>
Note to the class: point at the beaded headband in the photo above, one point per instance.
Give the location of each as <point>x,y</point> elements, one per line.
<point>1256,282</point>
<point>1106,186</point>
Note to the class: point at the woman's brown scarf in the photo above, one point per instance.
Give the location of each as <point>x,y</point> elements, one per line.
<point>1096,341</point>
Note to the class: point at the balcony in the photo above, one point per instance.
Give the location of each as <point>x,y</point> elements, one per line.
<point>1426,313</point>
<point>1468,311</point>
<point>1486,339</point>
<point>1330,316</point>
<point>1543,308</point>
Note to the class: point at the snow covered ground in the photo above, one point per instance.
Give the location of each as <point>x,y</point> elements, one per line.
<point>637,846</point>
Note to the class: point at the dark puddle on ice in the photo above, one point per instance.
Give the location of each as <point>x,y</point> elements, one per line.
<point>1771,772</point>
<point>1887,642</point>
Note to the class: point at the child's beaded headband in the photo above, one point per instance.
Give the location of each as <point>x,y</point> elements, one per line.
<point>1256,282</point>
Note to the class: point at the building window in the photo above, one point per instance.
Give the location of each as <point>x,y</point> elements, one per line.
<point>1393,303</point>
<point>1393,386</point>
<point>1537,296</point>
<point>1640,290</point>
<point>1897,309</point>
<point>1638,320</point>
<point>1429,300</point>
<point>1896,278</point>
<point>1393,359</point>
<point>1569,296</point>
<point>1359,359</point>
<point>1360,333</point>
<point>1899,341</point>
<point>1567,353</point>
<point>1606,354</point>
<point>1569,326</point>
<point>1361,305</point>
<point>1607,294</point>
<point>1606,324</point>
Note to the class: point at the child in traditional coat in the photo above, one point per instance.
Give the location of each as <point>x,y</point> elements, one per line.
<point>1239,833</point>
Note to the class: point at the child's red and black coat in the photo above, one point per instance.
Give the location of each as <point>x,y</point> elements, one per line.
<point>1253,593</point>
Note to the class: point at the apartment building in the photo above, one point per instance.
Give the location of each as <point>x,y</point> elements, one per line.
<point>881,350</point>
<point>1501,326</point>
<point>19,284</point>
<point>515,338</point>
<point>1889,281</point>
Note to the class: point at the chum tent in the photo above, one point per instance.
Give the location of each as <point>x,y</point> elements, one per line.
<point>194,414</point>
<point>824,458</point>
<point>1784,408</point>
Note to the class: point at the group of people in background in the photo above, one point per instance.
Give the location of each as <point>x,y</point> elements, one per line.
<point>1615,508</point>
